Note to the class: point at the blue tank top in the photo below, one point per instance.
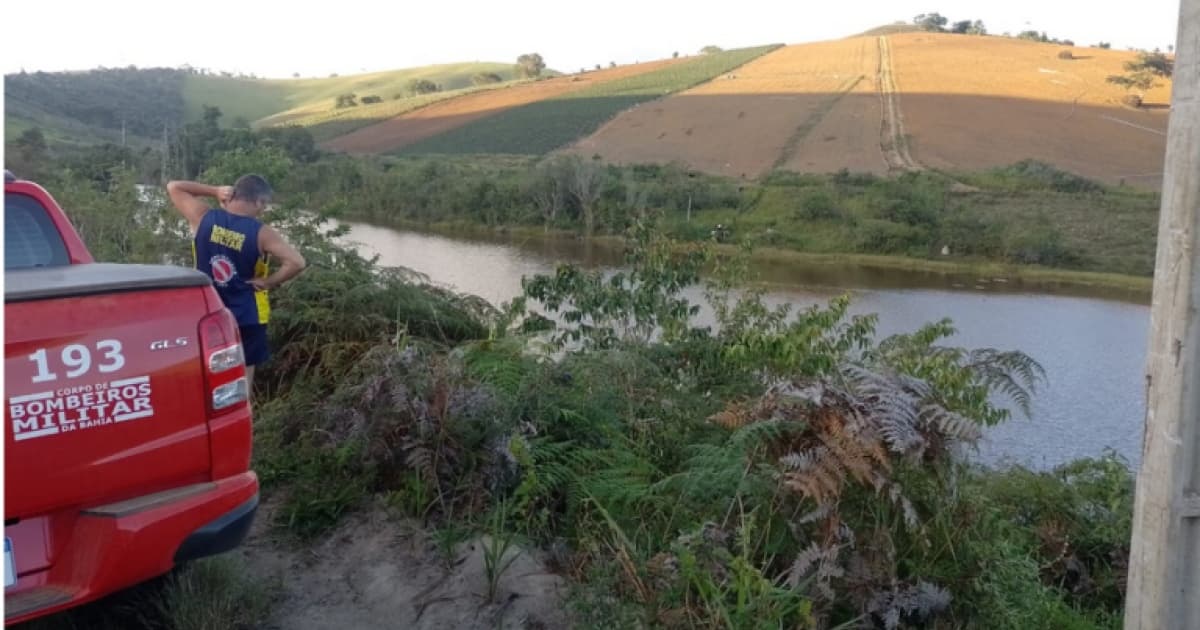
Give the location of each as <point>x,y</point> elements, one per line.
<point>226,249</point>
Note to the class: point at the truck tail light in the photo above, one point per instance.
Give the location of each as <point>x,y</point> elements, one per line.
<point>224,364</point>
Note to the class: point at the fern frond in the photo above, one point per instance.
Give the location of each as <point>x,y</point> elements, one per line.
<point>799,462</point>
<point>762,433</point>
<point>804,562</point>
<point>733,416</point>
<point>819,563</point>
<point>821,512</point>
<point>950,424</point>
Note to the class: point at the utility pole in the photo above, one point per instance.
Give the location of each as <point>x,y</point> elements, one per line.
<point>1164,564</point>
<point>162,174</point>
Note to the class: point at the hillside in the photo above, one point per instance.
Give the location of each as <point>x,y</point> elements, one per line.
<point>426,122</point>
<point>544,125</point>
<point>306,97</point>
<point>1002,100</point>
<point>85,107</point>
<point>899,101</point>
<point>902,102</point>
<point>91,106</point>
<point>759,117</point>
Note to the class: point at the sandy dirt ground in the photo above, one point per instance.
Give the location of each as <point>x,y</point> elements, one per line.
<point>375,571</point>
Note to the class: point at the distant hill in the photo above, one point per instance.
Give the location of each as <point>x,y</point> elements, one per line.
<point>892,100</point>
<point>92,106</point>
<point>78,106</point>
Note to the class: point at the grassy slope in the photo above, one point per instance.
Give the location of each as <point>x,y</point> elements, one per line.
<point>329,124</point>
<point>313,96</point>
<point>280,101</point>
<point>251,99</point>
<point>58,131</point>
<point>546,125</point>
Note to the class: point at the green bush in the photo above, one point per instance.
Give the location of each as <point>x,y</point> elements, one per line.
<point>969,233</point>
<point>914,199</point>
<point>1040,245</point>
<point>818,205</point>
<point>878,236</point>
<point>1033,174</point>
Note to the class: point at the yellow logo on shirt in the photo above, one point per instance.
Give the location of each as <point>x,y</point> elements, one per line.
<point>228,238</point>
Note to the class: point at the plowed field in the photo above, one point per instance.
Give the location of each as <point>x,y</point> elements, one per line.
<point>770,111</point>
<point>914,100</point>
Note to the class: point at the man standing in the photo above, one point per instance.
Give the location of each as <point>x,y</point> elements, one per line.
<point>231,245</point>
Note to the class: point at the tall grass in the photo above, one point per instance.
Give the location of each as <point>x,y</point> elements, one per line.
<point>211,594</point>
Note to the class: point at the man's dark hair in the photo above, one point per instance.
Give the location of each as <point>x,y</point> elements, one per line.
<point>252,188</point>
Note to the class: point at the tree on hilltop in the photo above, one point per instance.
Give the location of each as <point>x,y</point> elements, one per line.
<point>530,65</point>
<point>931,21</point>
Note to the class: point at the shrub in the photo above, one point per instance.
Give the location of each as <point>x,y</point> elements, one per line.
<point>1040,245</point>
<point>485,78</point>
<point>422,86</point>
<point>1066,54</point>
<point>914,199</point>
<point>844,178</point>
<point>1042,175</point>
<point>817,205</point>
<point>878,236</point>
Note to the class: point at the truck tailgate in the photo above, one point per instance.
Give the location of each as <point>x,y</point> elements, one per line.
<point>105,397</point>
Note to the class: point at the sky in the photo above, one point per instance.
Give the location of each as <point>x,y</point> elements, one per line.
<point>276,39</point>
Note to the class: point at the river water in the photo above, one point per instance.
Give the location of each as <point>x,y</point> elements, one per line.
<point>1092,348</point>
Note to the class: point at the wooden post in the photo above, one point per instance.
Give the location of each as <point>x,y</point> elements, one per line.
<point>1164,564</point>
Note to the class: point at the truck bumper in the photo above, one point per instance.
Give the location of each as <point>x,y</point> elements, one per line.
<point>219,536</point>
<point>75,556</point>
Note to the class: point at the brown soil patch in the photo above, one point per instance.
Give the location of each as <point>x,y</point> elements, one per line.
<point>970,103</point>
<point>443,116</point>
<point>743,123</point>
<point>848,136</point>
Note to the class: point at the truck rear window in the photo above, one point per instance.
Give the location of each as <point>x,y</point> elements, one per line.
<point>30,238</point>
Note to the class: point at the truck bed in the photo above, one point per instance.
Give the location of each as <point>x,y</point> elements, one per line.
<point>96,278</point>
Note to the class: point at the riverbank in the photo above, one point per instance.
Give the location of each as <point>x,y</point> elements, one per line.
<point>662,484</point>
<point>772,262</point>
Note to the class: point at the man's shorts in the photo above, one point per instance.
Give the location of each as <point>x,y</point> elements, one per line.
<point>254,344</point>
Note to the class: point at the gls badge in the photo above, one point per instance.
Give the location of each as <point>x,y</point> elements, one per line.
<point>165,344</point>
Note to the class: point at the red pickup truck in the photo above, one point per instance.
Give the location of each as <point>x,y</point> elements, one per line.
<point>127,422</point>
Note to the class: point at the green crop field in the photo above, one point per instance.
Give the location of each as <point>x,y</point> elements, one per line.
<point>546,125</point>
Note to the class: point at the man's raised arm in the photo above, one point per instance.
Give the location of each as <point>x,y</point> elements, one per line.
<point>186,196</point>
